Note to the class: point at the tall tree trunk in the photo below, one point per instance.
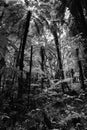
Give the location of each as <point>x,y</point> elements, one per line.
<point>2,65</point>
<point>58,54</point>
<point>80,70</point>
<point>20,89</point>
<point>3,45</point>
<point>60,66</point>
<point>30,73</point>
<point>42,53</point>
<point>24,39</point>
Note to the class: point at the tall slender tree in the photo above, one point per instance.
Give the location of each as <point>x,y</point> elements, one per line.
<point>22,53</point>
<point>42,54</point>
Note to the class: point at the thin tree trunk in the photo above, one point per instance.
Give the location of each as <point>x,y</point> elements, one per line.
<point>30,73</point>
<point>60,66</point>
<point>80,70</point>
<point>42,53</point>
<point>24,39</point>
<point>58,54</point>
<point>20,89</point>
<point>2,65</point>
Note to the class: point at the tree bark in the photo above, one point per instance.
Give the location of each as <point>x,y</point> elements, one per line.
<point>80,70</point>
<point>20,80</point>
<point>24,39</point>
<point>42,53</point>
<point>58,54</point>
<point>60,66</point>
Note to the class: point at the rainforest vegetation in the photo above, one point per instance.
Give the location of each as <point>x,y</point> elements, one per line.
<point>43,65</point>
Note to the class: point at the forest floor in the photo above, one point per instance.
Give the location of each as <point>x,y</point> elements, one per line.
<point>48,110</point>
